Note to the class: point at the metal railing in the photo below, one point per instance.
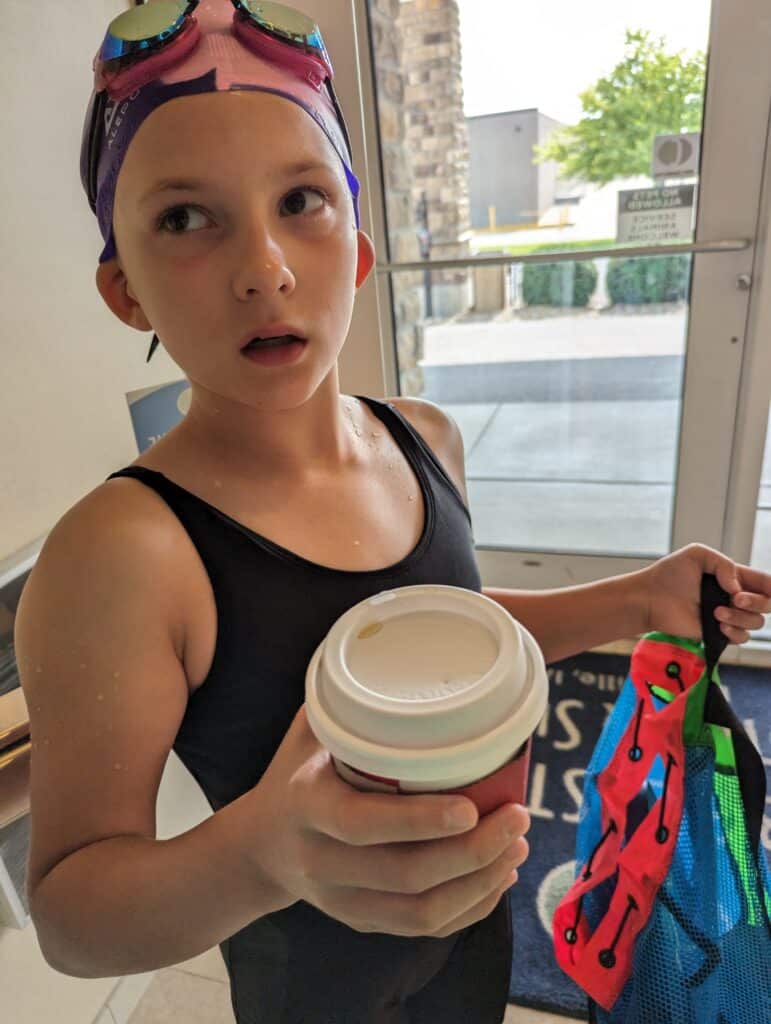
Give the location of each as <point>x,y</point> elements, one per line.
<point>726,245</point>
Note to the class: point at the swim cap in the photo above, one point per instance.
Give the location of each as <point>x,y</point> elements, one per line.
<point>219,62</point>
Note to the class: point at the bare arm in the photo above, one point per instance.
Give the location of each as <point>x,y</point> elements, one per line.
<point>130,904</point>
<point>570,620</point>
<point>98,641</point>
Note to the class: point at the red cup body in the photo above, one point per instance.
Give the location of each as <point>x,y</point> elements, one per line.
<point>507,784</point>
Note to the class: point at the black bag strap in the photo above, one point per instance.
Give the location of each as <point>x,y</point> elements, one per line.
<point>717,710</point>
<point>715,640</point>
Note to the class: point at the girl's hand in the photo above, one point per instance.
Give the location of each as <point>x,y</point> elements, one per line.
<point>672,592</point>
<point>378,862</point>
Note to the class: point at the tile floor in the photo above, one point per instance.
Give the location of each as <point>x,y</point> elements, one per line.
<point>197,992</point>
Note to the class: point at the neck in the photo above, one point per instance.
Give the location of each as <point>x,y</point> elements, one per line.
<point>316,439</point>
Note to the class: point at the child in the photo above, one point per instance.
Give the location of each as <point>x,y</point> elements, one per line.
<point>178,604</point>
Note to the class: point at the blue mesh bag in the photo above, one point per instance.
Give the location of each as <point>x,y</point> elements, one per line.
<point>668,919</point>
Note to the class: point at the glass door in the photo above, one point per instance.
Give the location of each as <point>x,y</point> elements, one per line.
<point>565,203</point>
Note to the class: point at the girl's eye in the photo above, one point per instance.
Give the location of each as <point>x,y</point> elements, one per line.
<point>178,216</point>
<point>296,201</point>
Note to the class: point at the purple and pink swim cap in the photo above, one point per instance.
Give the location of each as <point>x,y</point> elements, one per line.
<point>220,62</point>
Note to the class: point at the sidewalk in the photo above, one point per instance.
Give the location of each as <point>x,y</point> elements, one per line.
<point>579,335</point>
<point>589,477</point>
<point>570,427</point>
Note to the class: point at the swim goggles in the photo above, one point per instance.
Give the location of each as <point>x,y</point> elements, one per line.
<point>141,43</point>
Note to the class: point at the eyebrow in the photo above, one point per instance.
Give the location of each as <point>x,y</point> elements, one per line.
<point>194,184</point>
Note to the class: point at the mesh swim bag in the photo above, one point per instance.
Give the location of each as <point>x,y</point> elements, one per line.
<point>667,921</point>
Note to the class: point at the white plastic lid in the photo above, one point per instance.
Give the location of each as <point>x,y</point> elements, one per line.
<point>425,682</point>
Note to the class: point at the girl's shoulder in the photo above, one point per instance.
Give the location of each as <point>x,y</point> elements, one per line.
<point>117,537</point>
<point>440,432</point>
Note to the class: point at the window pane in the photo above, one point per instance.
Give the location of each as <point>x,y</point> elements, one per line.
<point>523,129</point>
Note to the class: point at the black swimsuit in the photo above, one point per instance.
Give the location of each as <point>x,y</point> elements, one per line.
<point>273,609</point>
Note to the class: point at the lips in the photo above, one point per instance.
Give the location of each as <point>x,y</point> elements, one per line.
<point>283,331</point>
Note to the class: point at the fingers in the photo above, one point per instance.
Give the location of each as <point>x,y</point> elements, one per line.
<point>710,560</point>
<point>755,587</point>
<point>437,912</point>
<point>760,604</point>
<point>360,818</point>
<point>738,621</point>
<point>735,636</point>
<point>749,588</point>
<point>747,609</point>
<point>416,867</point>
<point>480,910</point>
<point>387,862</point>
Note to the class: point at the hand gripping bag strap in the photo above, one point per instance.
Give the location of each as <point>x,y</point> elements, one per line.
<point>601,961</point>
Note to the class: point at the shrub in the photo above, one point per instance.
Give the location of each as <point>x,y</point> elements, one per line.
<point>558,284</point>
<point>649,279</point>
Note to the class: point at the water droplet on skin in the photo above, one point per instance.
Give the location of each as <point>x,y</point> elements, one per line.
<point>375,433</point>
<point>116,675</point>
<point>38,707</point>
<point>82,664</point>
<point>357,542</point>
<point>218,483</point>
<point>100,696</point>
<point>116,766</point>
<point>39,668</point>
<point>390,465</point>
<point>410,497</point>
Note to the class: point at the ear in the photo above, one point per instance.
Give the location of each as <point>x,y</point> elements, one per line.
<point>114,287</point>
<point>365,258</point>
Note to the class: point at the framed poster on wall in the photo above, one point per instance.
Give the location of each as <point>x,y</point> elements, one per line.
<point>154,411</point>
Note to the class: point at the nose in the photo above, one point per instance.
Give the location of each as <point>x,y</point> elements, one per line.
<point>263,267</point>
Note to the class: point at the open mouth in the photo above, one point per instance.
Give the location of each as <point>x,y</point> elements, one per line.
<point>281,339</point>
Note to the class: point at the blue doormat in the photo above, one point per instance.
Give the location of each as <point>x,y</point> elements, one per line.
<point>583,690</point>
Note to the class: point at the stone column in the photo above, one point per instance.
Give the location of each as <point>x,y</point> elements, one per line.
<point>397,180</point>
<point>424,145</point>
<point>437,137</point>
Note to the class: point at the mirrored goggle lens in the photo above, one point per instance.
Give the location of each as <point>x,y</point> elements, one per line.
<point>284,21</point>
<point>144,26</point>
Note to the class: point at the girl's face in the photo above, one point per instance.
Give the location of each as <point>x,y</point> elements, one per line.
<point>263,233</point>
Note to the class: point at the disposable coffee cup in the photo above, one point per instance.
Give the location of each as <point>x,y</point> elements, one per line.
<point>429,689</point>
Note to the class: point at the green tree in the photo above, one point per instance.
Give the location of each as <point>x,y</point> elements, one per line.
<point>651,92</point>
